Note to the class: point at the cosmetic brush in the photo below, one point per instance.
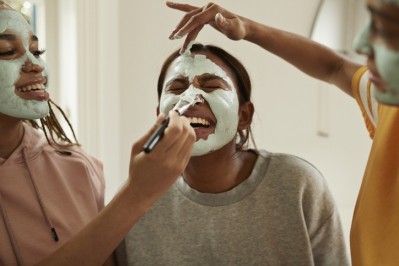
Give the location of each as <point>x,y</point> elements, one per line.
<point>181,107</point>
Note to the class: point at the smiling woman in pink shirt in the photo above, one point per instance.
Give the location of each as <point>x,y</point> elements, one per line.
<point>51,191</point>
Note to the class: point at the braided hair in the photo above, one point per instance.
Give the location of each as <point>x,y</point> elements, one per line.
<point>52,128</point>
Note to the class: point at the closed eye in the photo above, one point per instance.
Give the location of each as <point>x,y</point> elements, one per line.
<point>38,53</point>
<point>7,52</point>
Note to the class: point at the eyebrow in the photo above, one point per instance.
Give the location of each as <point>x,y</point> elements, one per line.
<point>8,37</point>
<point>13,37</point>
<point>178,79</point>
<point>381,13</point>
<point>208,77</point>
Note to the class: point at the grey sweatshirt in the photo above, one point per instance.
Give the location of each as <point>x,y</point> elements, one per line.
<point>282,214</point>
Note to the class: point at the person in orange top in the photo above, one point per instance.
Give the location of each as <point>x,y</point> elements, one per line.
<point>51,191</point>
<point>375,226</point>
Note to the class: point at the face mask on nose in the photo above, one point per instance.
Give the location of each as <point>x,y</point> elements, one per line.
<point>223,103</point>
<point>10,103</point>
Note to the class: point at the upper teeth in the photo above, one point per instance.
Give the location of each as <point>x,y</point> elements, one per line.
<point>198,120</point>
<point>32,87</point>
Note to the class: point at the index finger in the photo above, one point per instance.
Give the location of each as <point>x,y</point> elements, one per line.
<point>195,18</point>
<point>181,7</point>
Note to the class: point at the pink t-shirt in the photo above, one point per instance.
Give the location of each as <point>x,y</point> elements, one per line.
<point>71,187</point>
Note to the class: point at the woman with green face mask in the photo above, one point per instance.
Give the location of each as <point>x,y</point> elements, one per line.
<point>232,205</point>
<point>51,191</point>
<point>375,226</point>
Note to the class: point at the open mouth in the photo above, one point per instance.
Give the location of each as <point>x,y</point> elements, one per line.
<point>32,92</point>
<point>32,87</point>
<point>202,127</point>
<point>198,122</point>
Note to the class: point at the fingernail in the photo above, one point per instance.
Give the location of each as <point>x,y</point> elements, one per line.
<point>220,18</point>
<point>177,37</point>
<point>171,35</point>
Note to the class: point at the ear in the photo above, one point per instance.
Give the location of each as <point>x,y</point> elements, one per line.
<point>245,113</point>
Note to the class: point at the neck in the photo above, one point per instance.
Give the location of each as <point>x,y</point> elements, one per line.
<point>220,170</point>
<point>11,132</point>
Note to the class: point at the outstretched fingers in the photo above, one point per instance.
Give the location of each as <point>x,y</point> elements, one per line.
<point>193,21</point>
<point>189,22</point>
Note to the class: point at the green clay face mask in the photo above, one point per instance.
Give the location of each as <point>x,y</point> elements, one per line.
<point>223,103</point>
<point>10,103</point>
<point>387,63</point>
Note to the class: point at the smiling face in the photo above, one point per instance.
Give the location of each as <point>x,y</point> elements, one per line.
<point>22,81</point>
<point>215,122</point>
<point>379,40</point>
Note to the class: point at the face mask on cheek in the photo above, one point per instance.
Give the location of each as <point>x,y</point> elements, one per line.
<point>10,103</point>
<point>387,63</point>
<point>223,103</point>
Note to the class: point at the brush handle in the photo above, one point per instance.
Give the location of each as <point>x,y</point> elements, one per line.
<point>156,136</point>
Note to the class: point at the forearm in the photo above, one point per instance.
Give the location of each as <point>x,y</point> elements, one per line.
<point>96,242</point>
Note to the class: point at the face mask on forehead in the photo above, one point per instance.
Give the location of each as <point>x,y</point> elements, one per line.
<point>386,60</point>
<point>10,103</point>
<point>223,103</point>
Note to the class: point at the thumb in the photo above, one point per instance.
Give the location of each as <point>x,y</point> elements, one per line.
<point>139,144</point>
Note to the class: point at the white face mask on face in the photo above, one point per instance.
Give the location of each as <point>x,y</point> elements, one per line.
<point>387,63</point>
<point>223,103</point>
<point>10,103</point>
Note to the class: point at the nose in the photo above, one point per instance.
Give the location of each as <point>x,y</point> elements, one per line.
<point>28,66</point>
<point>199,99</point>
<point>362,43</point>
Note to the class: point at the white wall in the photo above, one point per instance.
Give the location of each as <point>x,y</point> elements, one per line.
<point>290,108</point>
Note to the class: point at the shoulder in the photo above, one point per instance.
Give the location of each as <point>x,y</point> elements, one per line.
<point>297,177</point>
<point>288,164</point>
<point>79,152</point>
<point>74,158</point>
<point>78,161</point>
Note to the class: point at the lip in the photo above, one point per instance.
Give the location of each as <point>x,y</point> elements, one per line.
<point>36,80</point>
<point>36,94</point>
<point>202,132</point>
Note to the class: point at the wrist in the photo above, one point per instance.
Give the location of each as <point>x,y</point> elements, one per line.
<point>132,201</point>
<point>253,30</point>
<point>249,29</point>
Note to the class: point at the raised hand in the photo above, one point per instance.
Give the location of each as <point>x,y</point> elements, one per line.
<point>230,24</point>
